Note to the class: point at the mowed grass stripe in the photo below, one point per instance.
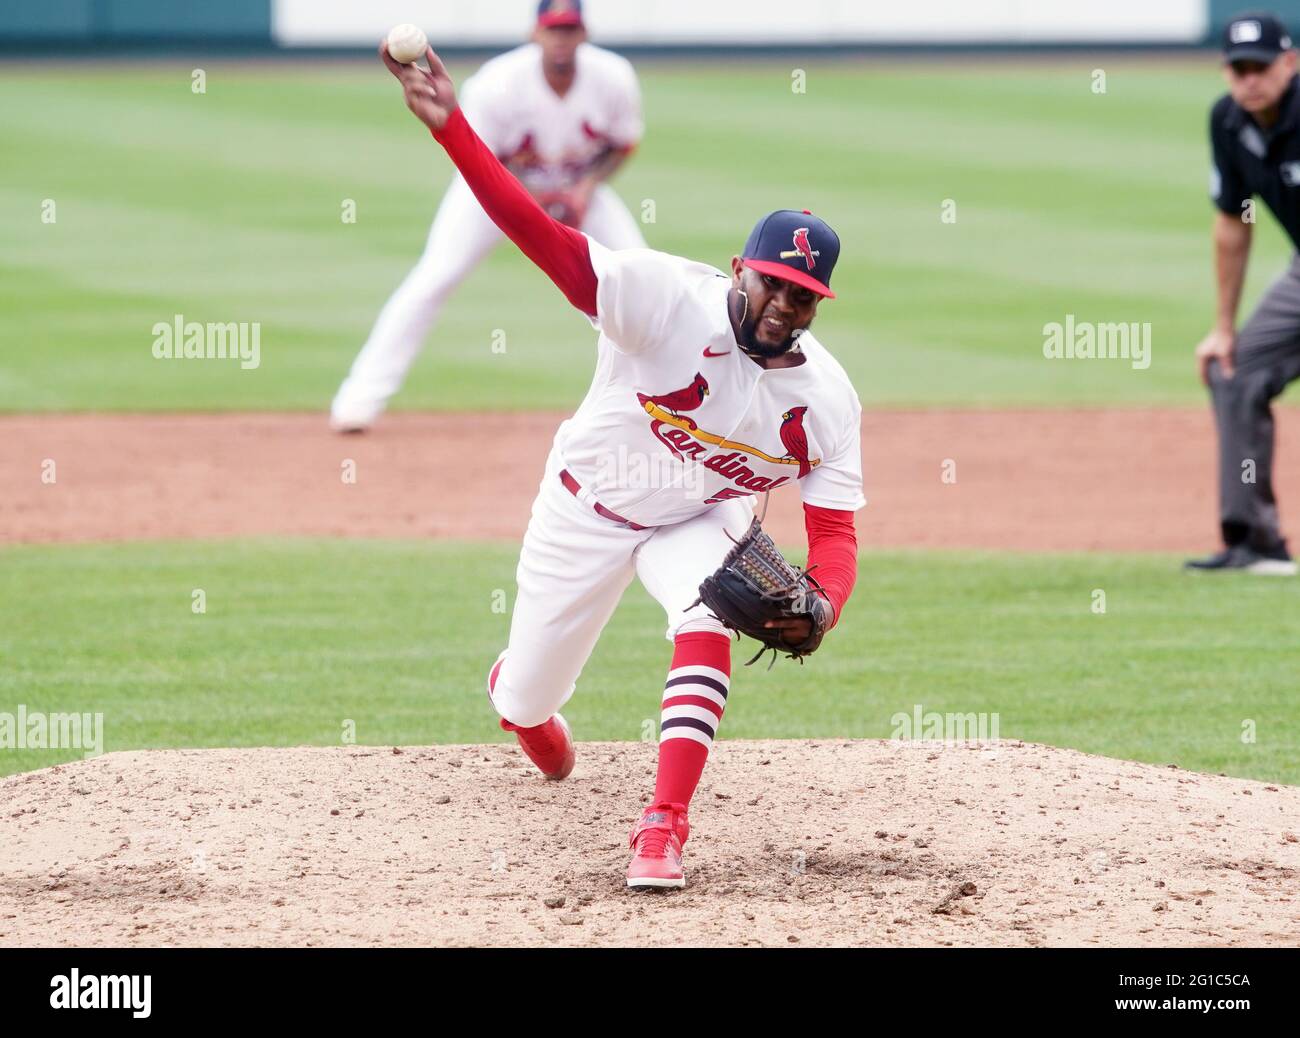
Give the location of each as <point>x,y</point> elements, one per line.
<point>300,637</point>
<point>226,206</point>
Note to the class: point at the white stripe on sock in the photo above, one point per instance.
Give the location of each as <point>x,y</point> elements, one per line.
<point>700,713</point>
<point>692,689</point>
<point>699,669</point>
<point>683,732</point>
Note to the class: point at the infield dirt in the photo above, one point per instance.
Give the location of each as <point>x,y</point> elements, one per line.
<point>1111,480</point>
<point>808,843</point>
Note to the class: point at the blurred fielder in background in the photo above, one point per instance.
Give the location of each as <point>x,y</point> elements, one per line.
<point>1255,138</point>
<point>563,116</point>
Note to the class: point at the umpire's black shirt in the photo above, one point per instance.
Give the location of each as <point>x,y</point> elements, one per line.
<point>1250,161</point>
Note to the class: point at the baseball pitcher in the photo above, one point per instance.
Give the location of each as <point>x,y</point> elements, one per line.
<point>715,381</point>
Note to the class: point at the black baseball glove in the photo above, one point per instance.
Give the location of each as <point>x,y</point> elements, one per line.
<point>755,584</point>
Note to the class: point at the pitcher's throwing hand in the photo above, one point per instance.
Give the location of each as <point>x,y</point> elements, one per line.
<point>430,93</point>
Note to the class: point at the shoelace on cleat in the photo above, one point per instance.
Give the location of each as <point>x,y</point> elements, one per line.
<point>653,843</point>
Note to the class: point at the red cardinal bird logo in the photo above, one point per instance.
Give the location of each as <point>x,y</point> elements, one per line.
<point>679,400</point>
<point>525,155</point>
<point>802,247</point>
<point>794,439</point>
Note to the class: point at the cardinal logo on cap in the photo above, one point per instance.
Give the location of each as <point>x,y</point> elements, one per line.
<point>802,247</point>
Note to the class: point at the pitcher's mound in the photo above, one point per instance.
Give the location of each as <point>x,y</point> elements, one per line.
<point>814,843</point>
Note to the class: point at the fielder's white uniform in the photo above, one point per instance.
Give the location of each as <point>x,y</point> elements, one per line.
<point>678,433</point>
<point>548,142</point>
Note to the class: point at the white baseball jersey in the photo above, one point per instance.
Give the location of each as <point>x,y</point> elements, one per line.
<point>549,141</point>
<point>678,418</point>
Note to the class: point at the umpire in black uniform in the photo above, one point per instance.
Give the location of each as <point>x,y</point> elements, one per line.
<point>1255,138</point>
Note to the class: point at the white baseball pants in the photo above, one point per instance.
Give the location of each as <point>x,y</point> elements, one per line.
<point>573,569</point>
<point>461,236</point>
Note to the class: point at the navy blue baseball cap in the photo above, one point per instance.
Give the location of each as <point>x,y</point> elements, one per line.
<point>559,12</point>
<point>1254,36</point>
<point>796,246</point>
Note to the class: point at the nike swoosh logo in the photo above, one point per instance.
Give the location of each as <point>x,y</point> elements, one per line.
<point>708,354</point>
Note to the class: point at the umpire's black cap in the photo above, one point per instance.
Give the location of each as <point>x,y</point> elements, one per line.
<point>1255,36</point>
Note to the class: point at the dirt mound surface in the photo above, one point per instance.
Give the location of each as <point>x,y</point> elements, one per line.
<point>814,843</point>
<point>1119,480</point>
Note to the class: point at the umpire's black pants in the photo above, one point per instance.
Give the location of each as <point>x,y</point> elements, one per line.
<point>1267,358</point>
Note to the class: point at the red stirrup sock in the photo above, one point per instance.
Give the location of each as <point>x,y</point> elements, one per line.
<point>695,695</point>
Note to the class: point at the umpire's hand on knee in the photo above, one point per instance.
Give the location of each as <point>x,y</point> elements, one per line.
<point>1218,345</point>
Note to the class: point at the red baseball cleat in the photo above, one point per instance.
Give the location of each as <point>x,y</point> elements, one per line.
<point>549,745</point>
<point>657,847</point>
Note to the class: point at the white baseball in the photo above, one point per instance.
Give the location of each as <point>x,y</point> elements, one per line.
<point>407,42</point>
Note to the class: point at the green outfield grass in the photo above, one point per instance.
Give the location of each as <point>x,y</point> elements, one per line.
<point>299,637</point>
<point>226,207</point>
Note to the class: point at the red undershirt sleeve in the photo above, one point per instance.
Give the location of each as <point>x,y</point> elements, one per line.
<point>833,549</point>
<point>560,251</point>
